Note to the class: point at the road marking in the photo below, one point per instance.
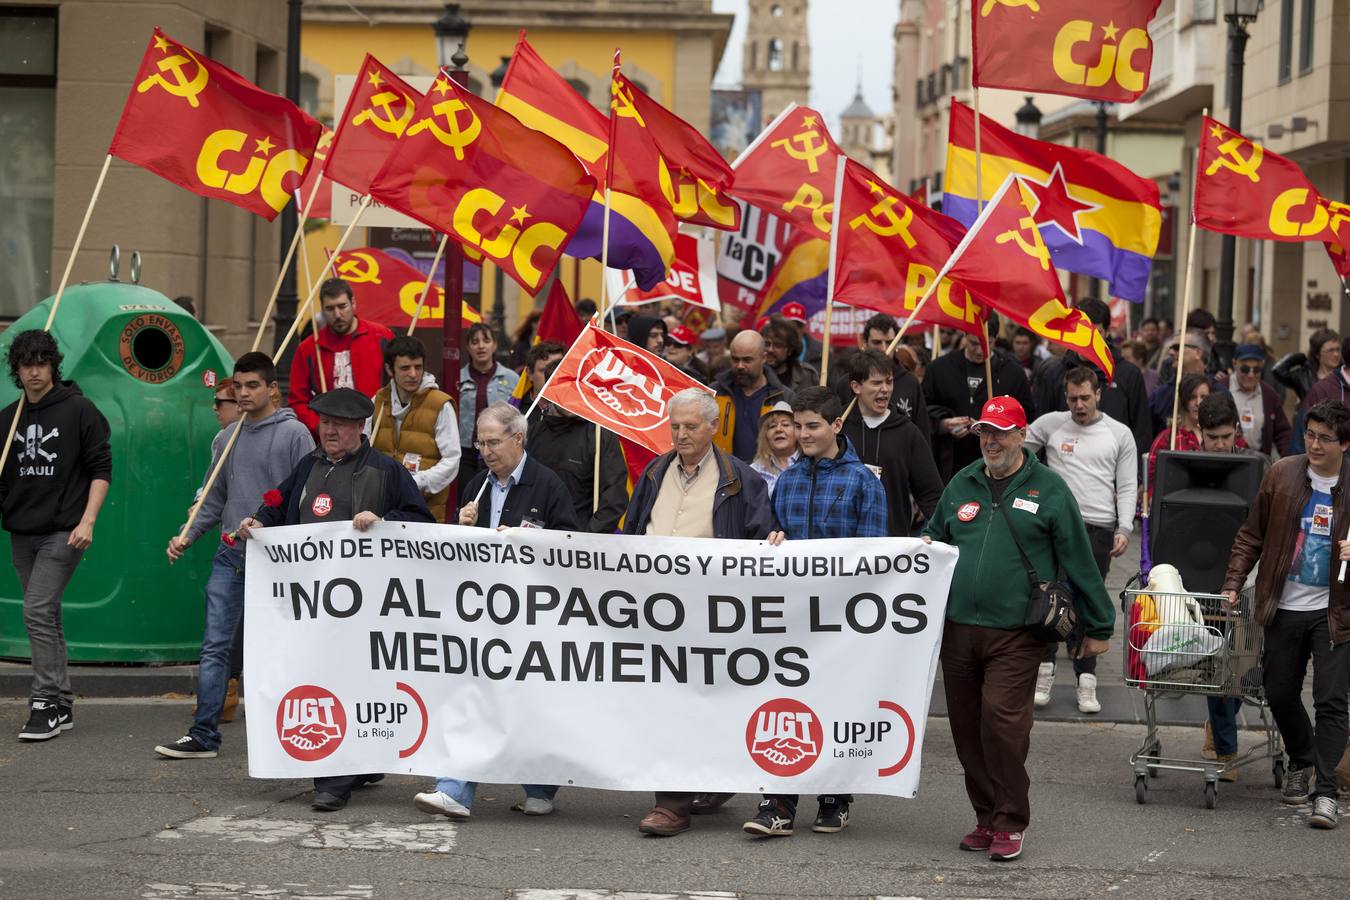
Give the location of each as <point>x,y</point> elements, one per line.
<point>222,890</point>
<point>430,837</point>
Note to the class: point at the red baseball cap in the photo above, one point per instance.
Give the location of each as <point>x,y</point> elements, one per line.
<point>761,322</point>
<point>1003,413</point>
<point>793,312</point>
<point>681,335</point>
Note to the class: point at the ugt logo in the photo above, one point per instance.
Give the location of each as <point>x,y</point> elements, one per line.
<point>311,722</point>
<point>784,737</point>
<point>627,391</point>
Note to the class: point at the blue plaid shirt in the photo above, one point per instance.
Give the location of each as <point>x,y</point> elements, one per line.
<point>830,498</point>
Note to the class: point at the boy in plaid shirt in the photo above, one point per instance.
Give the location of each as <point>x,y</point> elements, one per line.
<point>828,493</point>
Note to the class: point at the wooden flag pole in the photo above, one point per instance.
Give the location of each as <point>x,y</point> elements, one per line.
<point>604,301</point>
<point>285,264</point>
<point>1185,306</point>
<point>309,285</point>
<point>839,167</point>
<point>904,326</point>
<point>56,300</point>
<point>979,208</point>
<point>210,481</point>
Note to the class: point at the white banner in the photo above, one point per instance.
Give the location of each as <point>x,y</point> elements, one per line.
<point>607,661</point>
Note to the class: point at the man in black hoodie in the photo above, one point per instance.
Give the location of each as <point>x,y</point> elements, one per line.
<point>52,487</point>
<point>889,443</point>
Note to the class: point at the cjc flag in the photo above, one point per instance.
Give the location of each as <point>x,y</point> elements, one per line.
<point>1094,49</point>
<point>1006,263</point>
<point>378,112</point>
<point>789,170</point>
<point>470,170</point>
<point>1096,217</point>
<point>608,381</point>
<point>1244,190</point>
<point>194,122</point>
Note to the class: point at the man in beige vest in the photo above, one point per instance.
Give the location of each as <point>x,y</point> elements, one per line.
<point>415,423</point>
<point>696,490</point>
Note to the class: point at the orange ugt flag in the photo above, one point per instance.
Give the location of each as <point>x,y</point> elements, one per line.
<point>608,381</point>
<point>1004,261</point>
<point>378,111</point>
<point>194,122</point>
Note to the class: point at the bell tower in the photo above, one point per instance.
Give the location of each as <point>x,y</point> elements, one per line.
<point>776,60</point>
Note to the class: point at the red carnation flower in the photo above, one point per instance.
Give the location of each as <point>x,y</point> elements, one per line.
<point>272,498</point>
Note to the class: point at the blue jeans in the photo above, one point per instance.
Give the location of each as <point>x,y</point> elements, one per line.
<point>463,791</point>
<point>1223,723</point>
<point>224,609</point>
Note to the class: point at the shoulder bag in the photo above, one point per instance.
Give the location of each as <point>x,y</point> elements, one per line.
<point>1050,612</point>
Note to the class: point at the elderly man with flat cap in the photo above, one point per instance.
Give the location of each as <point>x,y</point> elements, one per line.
<point>343,479</point>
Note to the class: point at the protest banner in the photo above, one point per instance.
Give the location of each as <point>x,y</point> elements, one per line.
<point>563,658</point>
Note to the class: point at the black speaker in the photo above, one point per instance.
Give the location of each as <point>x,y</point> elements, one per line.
<point>1199,502</point>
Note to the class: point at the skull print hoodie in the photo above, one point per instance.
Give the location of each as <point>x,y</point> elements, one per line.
<point>60,446</point>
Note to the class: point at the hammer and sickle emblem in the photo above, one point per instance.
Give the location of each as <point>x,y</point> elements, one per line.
<point>360,268</point>
<point>456,138</point>
<point>180,85</point>
<point>1035,247</point>
<point>806,146</point>
<point>388,123</point>
<point>622,103</point>
<point>1233,160</point>
<point>266,176</point>
<point>882,220</point>
<point>1013,4</point>
<point>516,244</point>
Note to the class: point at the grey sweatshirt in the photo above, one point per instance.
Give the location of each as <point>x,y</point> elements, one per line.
<point>264,455</point>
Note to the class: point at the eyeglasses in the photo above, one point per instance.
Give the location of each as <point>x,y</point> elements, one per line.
<point>219,400</point>
<point>491,444</point>
<point>1249,370</point>
<point>1317,437</point>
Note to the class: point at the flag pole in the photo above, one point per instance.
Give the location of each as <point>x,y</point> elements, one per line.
<point>604,266</point>
<point>1185,305</point>
<point>979,207</point>
<point>285,264</point>
<point>839,167</point>
<point>309,284</point>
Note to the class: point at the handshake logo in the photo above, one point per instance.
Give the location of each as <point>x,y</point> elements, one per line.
<point>628,392</point>
<point>784,737</point>
<point>311,722</point>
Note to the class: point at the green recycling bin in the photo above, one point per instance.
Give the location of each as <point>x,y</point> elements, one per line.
<point>148,366</point>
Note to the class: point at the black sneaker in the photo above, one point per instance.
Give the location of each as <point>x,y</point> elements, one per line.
<point>44,721</point>
<point>774,819</point>
<point>186,747</point>
<point>66,713</point>
<point>325,802</point>
<point>833,814</point>
<point>1295,791</point>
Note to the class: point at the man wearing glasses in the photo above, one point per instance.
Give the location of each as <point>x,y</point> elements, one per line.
<point>1303,600</point>
<point>1261,416</point>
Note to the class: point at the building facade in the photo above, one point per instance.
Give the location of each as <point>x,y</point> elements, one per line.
<point>776,60</point>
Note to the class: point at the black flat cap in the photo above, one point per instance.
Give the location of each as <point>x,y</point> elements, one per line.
<point>343,403</point>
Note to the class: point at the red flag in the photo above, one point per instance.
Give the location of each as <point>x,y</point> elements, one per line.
<point>663,159</point>
<point>608,381</point>
<point>378,111</point>
<point>472,171</point>
<point>388,288</point>
<point>1003,260</point>
<point>1245,190</point>
<point>1094,49</point>
<point>194,122</point>
<point>789,170</point>
<point>323,203</point>
<point>692,278</point>
<point>1340,259</point>
<point>559,321</point>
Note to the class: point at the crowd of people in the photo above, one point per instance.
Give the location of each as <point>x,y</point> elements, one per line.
<point>1040,474</point>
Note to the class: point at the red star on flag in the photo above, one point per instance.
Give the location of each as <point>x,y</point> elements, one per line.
<point>1054,205</point>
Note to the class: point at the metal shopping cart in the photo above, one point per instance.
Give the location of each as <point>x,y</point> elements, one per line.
<point>1179,644</point>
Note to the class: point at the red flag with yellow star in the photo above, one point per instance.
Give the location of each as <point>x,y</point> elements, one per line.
<point>1094,49</point>
<point>472,171</point>
<point>789,170</point>
<point>1004,261</point>
<point>194,122</point>
<point>379,109</point>
<point>1245,190</point>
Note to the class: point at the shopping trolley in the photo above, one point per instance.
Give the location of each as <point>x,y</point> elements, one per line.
<point>1179,644</point>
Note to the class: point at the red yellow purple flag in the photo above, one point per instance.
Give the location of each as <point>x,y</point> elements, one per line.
<point>1094,49</point>
<point>196,123</point>
<point>471,170</point>
<point>789,170</point>
<point>1245,190</point>
<point>378,111</point>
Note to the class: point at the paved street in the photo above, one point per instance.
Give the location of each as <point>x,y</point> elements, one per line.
<point>96,814</point>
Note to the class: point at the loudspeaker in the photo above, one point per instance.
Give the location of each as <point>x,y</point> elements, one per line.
<point>1199,502</point>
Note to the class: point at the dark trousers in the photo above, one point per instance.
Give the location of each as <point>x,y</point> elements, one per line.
<point>1101,539</point>
<point>989,675</point>
<point>341,785</point>
<point>678,803</point>
<point>1291,639</point>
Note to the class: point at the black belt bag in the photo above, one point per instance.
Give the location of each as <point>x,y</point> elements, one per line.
<point>1050,616</point>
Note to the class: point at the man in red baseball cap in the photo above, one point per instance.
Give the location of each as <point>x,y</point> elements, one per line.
<point>1003,501</point>
<point>810,352</point>
<point>680,345</point>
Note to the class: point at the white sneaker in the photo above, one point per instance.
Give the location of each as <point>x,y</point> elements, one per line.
<point>1087,695</point>
<point>1045,680</point>
<point>537,806</point>
<point>441,804</point>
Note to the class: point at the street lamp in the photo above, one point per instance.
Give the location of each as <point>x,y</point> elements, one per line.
<point>452,33</point>
<point>497,76</point>
<point>1238,14</point>
<point>287,298</point>
<point>1028,119</point>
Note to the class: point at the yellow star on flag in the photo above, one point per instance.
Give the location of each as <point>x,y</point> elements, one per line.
<point>1217,131</point>
<point>375,79</point>
<point>441,86</point>
<point>1109,30</point>
<point>519,214</point>
<point>263,146</point>
<point>874,187</point>
<point>161,43</point>
<point>809,121</point>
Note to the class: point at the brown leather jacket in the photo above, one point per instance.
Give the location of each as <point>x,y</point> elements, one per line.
<point>1269,534</point>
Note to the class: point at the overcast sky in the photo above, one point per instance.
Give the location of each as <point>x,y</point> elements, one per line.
<point>844,34</point>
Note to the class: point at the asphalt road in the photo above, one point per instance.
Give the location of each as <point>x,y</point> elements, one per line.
<point>94,813</point>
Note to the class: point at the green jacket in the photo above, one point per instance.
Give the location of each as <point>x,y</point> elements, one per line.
<point>989,586</point>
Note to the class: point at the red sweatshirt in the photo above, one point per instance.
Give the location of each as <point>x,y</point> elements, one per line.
<point>354,360</point>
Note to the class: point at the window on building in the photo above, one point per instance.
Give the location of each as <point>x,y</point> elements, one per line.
<point>309,94</point>
<point>1305,37</point>
<point>796,56</point>
<point>775,55</point>
<point>776,10</point>
<point>27,155</point>
<point>1286,55</point>
<point>754,56</point>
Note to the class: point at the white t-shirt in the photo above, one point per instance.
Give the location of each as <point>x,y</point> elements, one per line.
<point>1309,586</point>
<point>1096,461</point>
<point>875,421</point>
